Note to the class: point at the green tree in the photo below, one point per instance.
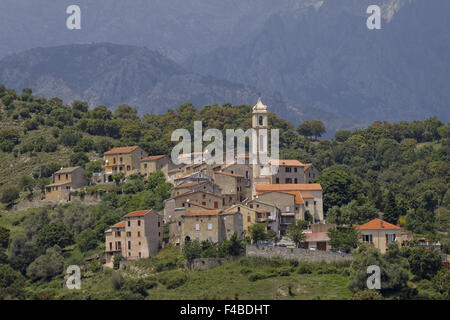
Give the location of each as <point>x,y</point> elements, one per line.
<point>391,211</point>
<point>192,250</point>
<point>424,263</point>
<point>4,237</point>
<point>46,266</point>
<point>12,283</point>
<point>54,234</point>
<point>344,238</point>
<point>9,195</point>
<point>87,240</point>
<point>305,129</point>
<point>78,159</point>
<point>295,231</point>
<point>26,183</point>
<point>8,139</point>
<point>258,232</point>
<point>21,252</point>
<point>338,187</point>
<point>317,128</point>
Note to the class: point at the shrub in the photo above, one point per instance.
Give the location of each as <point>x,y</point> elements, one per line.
<point>116,280</point>
<point>173,280</point>
<point>254,276</point>
<point>9,195</point>
<point>304,268</point>
<point>368,295</point>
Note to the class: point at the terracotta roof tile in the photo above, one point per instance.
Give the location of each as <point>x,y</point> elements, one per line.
<point>298,196</point>
<point>201,213</point>
<point>377,224</point>
<point>289,187</point>
<point>153,158</point>
<point>317,236</point>
<point>121,150</point>
<point>119,225</point>
<point>287,163</point>
<point>139,213</point>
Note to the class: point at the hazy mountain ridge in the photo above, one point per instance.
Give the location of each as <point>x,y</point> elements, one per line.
<point>113,74</point>
<point>326,58</point>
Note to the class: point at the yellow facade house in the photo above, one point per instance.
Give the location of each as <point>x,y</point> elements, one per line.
<point>139,236</point>
<point>123,159</point>
<point>65,181</point>
<point>379,234</point>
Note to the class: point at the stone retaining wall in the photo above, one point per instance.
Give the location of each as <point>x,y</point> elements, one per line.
<point>295,253</point>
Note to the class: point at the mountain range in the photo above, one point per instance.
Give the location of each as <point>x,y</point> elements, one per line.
<point>310,59</point>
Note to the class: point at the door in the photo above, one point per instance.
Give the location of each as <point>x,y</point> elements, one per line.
<point>322,246</point>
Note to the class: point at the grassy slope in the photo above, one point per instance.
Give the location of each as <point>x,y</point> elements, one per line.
<point>222,282</point>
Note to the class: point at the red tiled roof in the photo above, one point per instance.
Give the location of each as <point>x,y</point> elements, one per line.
<point>317,236</point>
<point>289,187</point>
<point>121,150</point>
<point>153,158</point>
<point>377,224</point>
<point>287,163</point>
<point>139,213</point>
<point>119,225</point>
<point>307,196</point>
<point>202,213</point>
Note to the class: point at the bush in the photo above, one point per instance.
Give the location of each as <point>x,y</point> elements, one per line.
<point>424,263</point>
<point>9,195</point>
<point>12,283</point>
<point>116,280</point>
<point>254,276</point>
<point>368,295</point>
<point>304,268</point>
<point>173,280</point>
<point>46,266</point>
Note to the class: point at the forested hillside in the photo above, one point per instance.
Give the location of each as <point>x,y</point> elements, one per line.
<point>401,169</point>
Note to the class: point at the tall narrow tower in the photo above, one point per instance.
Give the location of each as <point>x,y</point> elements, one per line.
<point>260,125</point>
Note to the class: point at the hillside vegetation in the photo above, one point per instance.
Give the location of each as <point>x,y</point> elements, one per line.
<point>401,169</point>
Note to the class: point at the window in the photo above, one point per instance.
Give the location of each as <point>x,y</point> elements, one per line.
<point>288,209</point>
<point>260,120</point>
<point>110,246</point>
<point>145,165</point>
<point>129,223</point>
<point>129,245</point>
<point>114,160</point>
<point>390,237</point>
<point>197,227</point>
<point>209,226</point>
<point>121,159</point>
<point>118,234</point>
<point>295,180</point>
<point>128,168</point>
<point>288,180</point>
<point>249,219</point>
<point>288,169</point>
<point>306,203</point>
<point>367,238</point>
<point>159,224</point>
<point>67,176</point>
<point>139,254</point>
<point>139,233</point>
<point>247,175</point>
<point>216,205</point>
<point>295,169</point>
<point>139,222</point>
<point>128,234</point>
<point>278,180</point>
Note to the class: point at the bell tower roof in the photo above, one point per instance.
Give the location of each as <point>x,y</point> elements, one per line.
<point>260,106</point>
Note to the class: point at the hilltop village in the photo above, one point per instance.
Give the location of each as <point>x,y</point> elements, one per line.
<point>212,202</point>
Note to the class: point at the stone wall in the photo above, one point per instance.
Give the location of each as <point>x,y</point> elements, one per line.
<point>295,253</point>
<point>206,263</point>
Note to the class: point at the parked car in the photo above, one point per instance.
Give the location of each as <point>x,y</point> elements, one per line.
<point>313,248</point>
<point>282,245</point>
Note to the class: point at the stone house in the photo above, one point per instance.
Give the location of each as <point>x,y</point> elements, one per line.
<point>152,164</point>
<point>196,185</point>
<point>210,225</point>
<point>311,173</point>
<point>379,234</point>
<point>232,185</point>
<point>309,194</point>
<point>123,159</point>
<point>244,170</point>
<point>140,235</point>
<point>65,181</point>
